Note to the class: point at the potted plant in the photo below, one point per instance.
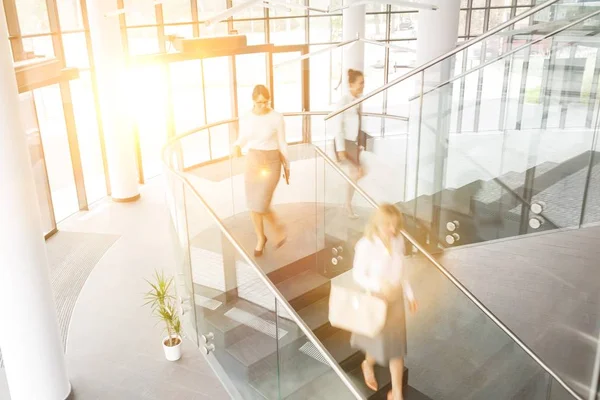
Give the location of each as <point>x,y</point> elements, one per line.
<point>162,302</point>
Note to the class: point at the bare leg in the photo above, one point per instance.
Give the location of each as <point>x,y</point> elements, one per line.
<point>397,372</point>
<point>259,229</point>
<point>354,175</point>
<point>275,222</point>
<point>369,372</point>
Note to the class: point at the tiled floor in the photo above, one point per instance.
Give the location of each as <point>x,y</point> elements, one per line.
<point>113,345</point>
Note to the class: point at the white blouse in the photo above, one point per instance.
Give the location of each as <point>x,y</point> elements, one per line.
<point>373,265</point>
<point>346,124</point>
<point>263,132</point>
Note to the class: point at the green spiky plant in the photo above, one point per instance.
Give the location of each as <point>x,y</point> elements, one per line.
<point>162,302</point>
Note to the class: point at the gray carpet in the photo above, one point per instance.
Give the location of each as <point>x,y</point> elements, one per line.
<point>71,258</point>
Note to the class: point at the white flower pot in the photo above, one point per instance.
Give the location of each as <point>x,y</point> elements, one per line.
<point>172,353</point>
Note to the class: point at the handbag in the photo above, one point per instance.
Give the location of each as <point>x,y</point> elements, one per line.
<point>353,309</point>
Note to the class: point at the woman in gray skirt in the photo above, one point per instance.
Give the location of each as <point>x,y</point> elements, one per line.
<point>378,268</point>
<point>263,132</point>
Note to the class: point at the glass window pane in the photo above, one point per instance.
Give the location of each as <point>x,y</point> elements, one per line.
<point>38,163</point>
<point>477,17</point>
<point>254,31</point>
<point>498,16</point>
<point>325,29</point>
<point>217,89</point>
<point>88,137</point>
<point>40,46</point>
<point>140,12</point>
<point>462,23</point>
<point>250,12</point>
<point>33,16</point>
<point>289,12</point>
<point>51,118</point>
<point>218,30</point>
<point>501,3</point>
<point>288,31</point>
<point>404,26</point>
<point>251,70</point>
<point>76,54</point>
<point>149,107</point>
<point>478,3</point>
<point>69,12</point>
<point>375,26</point>
<point>177,11</point>
<point>293,129</point>
<point>288,83</point>
<point>188,102</point>
<point>323,85</point>
<point>142,41</point>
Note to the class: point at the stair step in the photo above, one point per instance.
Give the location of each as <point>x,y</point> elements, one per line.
<point>316,315</point>
<point>304,289</point>
<point>257,323</point>
<point>293,374</point>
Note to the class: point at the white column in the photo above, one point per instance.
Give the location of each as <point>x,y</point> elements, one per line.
<point>437,34</point>
<point>353,56</point>
<point>29,336</point>
<point>114,95</point>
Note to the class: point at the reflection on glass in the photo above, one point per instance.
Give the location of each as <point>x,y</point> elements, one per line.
<point>88,137</point>
<point>325,29</point>
<point>51,119</point>
<point>36,154</point>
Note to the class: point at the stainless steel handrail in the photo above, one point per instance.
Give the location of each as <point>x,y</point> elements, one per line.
<point>442,57</point>
<point>285,114</point>
<point>502,56</point>
<point>456,283</point>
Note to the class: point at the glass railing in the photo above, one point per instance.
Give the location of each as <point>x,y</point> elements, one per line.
<point>512,157</point>
<point>264,321</point>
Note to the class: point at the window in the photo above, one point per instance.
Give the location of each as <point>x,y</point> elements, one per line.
<point>69,12</point>
<point>88,137</point>
<point>177,11</point>
<point>139,12</point>
<point>33,16</point>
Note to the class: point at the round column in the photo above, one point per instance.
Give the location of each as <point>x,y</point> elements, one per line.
<point>29,335</point>
<point>437,34</point>
<point>353,26</point>
<point>114,97</point>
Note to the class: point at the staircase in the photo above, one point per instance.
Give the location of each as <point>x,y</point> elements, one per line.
<point>245,332</point>
<point>492,209</point>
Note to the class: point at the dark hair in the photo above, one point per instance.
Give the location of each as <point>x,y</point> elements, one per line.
<point>261,90</point>
<point>353,75</point>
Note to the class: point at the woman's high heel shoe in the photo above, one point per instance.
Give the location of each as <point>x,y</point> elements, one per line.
<point>259,253</point>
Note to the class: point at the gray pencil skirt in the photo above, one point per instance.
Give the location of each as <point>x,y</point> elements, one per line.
<point>391,341</point>
<point>263,171</point>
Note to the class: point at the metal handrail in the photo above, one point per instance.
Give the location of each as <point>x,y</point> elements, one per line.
<point>442,57</point>
<point>284,302</point>
<point>502,56</point>
<point>264,278</point>
<point>452,279</point>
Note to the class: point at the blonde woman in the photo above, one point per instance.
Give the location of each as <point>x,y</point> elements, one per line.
<point>379,268</point>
